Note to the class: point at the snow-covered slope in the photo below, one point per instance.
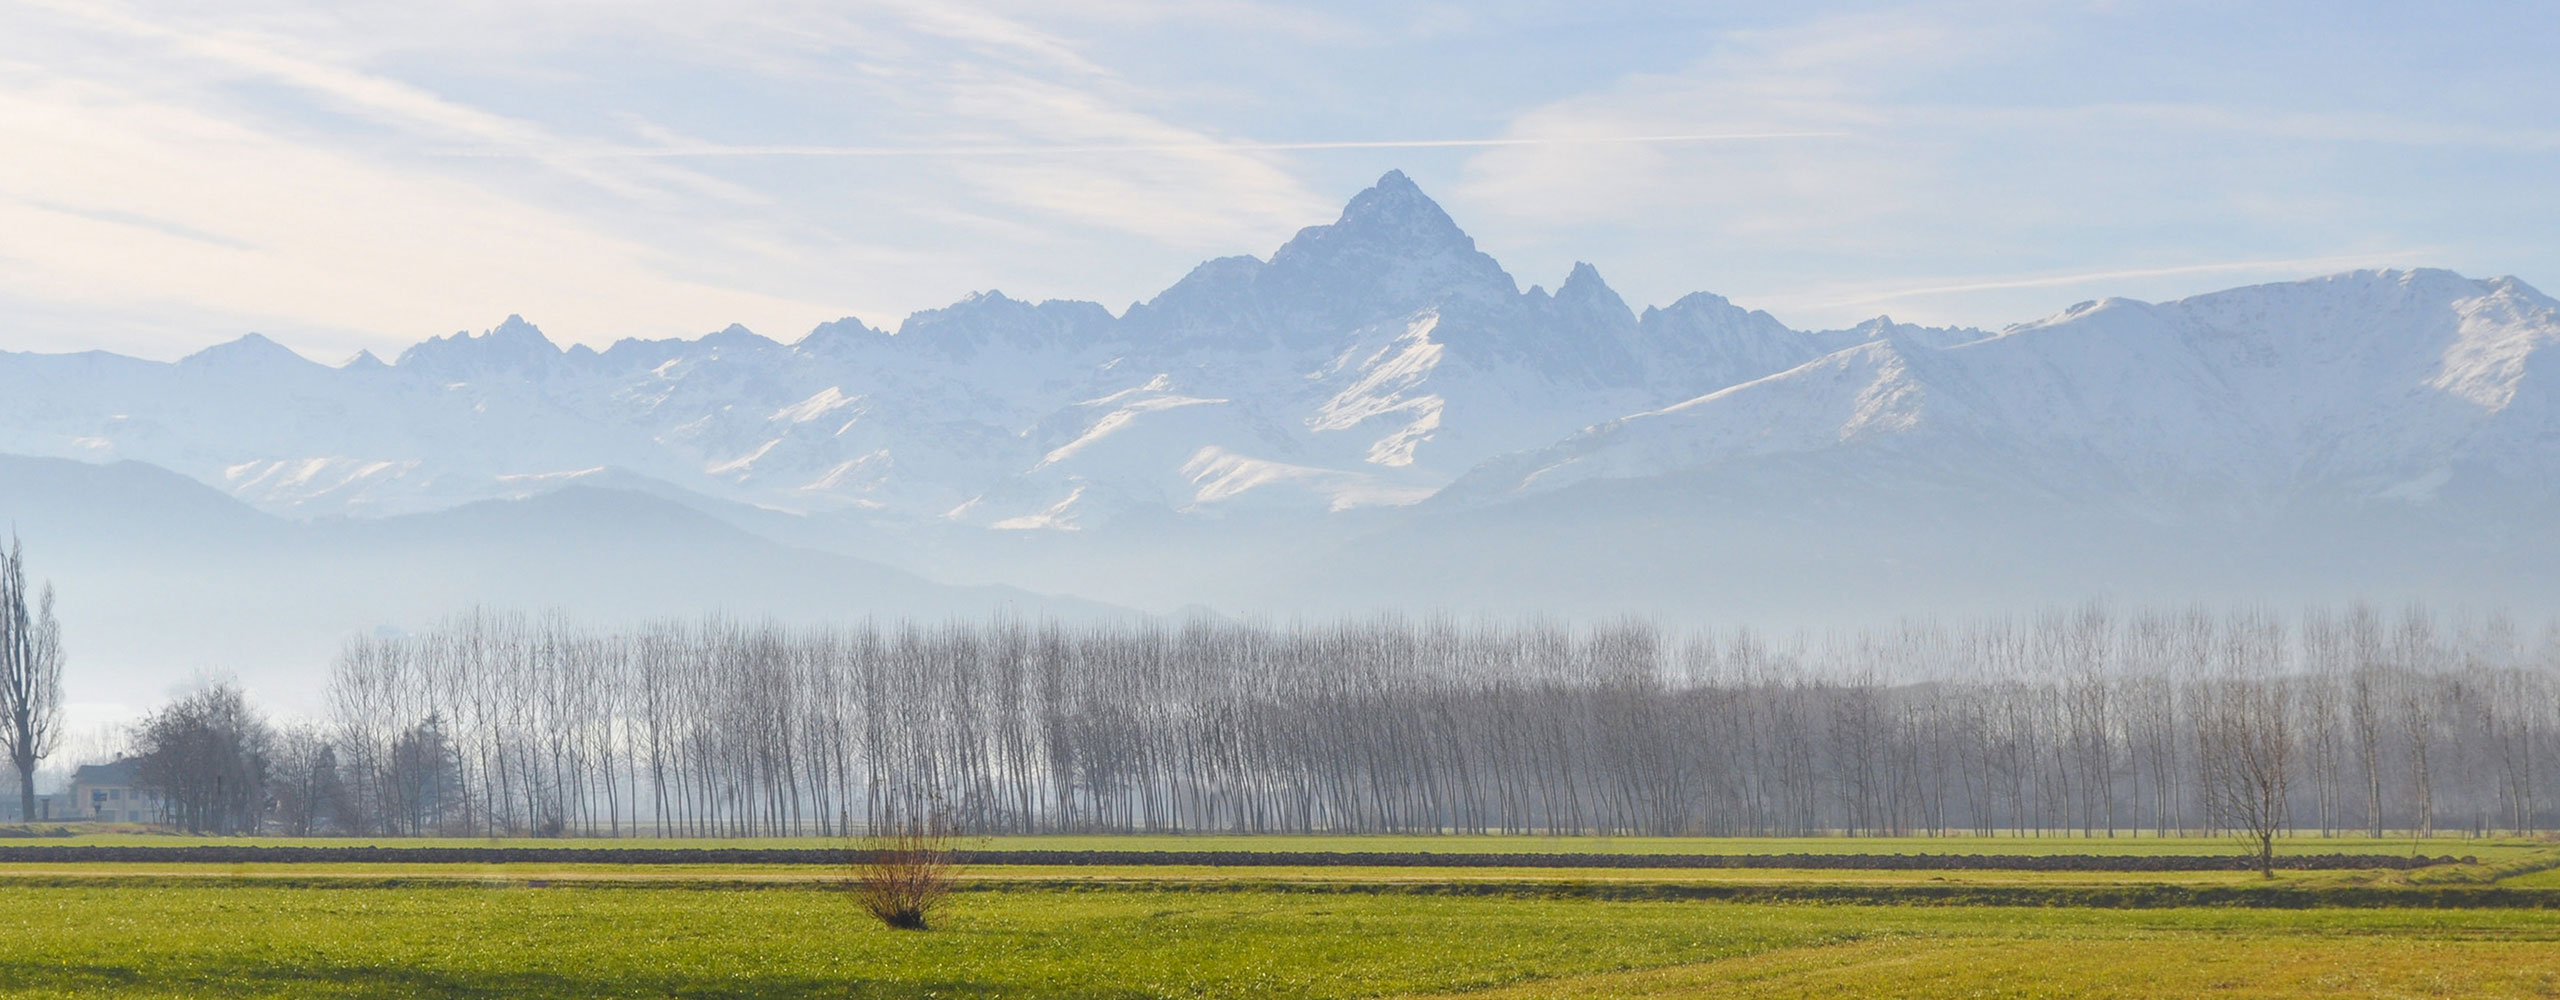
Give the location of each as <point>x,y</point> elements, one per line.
<point>2369,387</point>
<point>1366,363</point>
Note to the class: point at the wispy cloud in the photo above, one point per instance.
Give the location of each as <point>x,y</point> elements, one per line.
<point>250,164</point>
<point>651,167</point>
<point>1998,138</point>
<point>252,227</point>
<point>375,97</point>
<point>708,150</point>
<point>2341,128</point>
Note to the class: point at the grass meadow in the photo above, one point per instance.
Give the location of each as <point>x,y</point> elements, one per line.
<point>155,938</point>
<point>1194,932</point>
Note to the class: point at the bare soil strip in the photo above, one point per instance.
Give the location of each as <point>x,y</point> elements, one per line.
<point>245,854</point>
<point>1659,886</point>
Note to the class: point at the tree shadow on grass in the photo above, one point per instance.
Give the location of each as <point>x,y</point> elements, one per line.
<point>245,979</point>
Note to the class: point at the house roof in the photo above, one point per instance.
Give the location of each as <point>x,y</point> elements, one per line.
<point>123,771</point>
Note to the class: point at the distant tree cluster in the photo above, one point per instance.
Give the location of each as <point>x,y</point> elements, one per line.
<point>2189,720</point>
<point>220,766</point>
<point>209,757</point>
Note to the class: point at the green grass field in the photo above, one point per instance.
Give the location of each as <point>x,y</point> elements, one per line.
<point>1130,932</point>
<point>179,940</point>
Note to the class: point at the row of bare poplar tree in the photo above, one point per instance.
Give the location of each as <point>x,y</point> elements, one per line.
<point>2084,720</point>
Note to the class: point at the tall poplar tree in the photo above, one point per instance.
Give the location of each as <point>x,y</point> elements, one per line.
<point>30,675</point>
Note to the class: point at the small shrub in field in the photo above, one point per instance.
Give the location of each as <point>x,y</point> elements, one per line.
<point>903,872</point>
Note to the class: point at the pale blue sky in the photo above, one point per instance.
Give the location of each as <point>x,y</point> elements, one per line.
<point>346,175</point>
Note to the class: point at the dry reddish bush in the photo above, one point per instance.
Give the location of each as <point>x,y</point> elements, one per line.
<point>903,871</point>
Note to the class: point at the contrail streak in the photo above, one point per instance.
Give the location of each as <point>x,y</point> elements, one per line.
<point>1168,147</point>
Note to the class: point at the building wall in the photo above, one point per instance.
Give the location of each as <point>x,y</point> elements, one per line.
<point>114,804</point>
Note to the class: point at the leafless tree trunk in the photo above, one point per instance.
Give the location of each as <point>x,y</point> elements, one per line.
<point>2247,740</point>
<point>30,675</point>
<point>2415,649</point>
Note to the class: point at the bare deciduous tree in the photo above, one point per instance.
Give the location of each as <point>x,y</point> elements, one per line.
<point>2083,721</point>
<point>2246,738</point>
<point>30,675</point>
<point>308,795</point>
<point>207,755</point>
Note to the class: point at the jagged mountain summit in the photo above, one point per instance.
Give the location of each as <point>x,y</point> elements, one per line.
<point>1366,363</point>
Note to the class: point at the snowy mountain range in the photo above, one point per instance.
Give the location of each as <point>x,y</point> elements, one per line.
<point>1378,414</point>
<point>1368,362</point>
